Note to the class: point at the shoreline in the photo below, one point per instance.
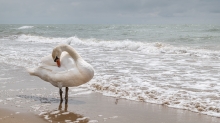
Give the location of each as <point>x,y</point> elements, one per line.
<point>39,100</point>
<point>94,107</point>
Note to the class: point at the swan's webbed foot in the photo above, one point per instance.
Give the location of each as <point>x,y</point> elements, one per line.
<point>66,95</point>
<point>61,98</point>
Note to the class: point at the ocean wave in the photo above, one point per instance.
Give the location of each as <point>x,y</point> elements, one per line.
<point>213,30</point>
<point>154,47</point>
<point>25,27</point>
<point>39,39</point>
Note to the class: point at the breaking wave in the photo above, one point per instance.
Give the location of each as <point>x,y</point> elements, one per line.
<point>25,27</point>
<point>154,47</point>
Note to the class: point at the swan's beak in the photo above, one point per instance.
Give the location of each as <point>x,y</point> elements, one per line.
<point>57,60</point>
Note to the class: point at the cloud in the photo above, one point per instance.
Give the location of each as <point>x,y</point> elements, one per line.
<point>110,11</point>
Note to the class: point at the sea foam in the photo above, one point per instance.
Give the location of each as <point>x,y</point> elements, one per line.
<point>142,47</point>
<point>25,27</point>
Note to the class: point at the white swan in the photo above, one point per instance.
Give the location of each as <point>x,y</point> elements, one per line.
<point>69,70</point>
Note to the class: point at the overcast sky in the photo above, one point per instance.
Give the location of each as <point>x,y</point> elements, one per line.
<point>109,11</point>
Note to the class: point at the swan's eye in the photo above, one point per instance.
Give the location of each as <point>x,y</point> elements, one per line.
<point>55,60</point>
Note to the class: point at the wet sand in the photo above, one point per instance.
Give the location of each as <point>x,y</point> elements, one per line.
<point>10,116</point>
<point>24,98</point>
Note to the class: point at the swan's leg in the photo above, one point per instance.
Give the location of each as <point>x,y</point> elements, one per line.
<point>61,98</point>
<point>60,107</point>
<point>66,106</point>
<point>66,95</point>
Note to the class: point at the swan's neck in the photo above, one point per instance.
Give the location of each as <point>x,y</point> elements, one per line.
<point>72,52</point>
<point>84,68</point>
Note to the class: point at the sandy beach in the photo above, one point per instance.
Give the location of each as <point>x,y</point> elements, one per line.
<point>24,99</point>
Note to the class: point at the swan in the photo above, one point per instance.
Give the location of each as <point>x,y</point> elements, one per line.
<point>66,68</point>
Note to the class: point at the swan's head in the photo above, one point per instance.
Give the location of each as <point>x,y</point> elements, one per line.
<point>56,55</point>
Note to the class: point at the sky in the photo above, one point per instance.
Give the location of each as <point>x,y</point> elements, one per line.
<point>109,11</point>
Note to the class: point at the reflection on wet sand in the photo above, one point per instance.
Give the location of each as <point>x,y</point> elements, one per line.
<point>64,116</point>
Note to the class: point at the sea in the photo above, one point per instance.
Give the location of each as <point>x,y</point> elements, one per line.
<point>173,65</point>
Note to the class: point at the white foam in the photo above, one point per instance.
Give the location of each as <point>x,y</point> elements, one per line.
<point>9,99</point>
<point>93,121</point>
<point>65,113</point>
<point>125,45</point>
<point>55,112</point>
<point>42,113</point>
<point>68,121</point>
<point>83,118</point>
<point>37,107</point>
<point>39,39</point>
<point>25,27</point>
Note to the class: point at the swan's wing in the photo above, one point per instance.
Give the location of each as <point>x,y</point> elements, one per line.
<point>48,61</point>
<point>53,69</point>
<point>65,59</point>
<point>67,63</point>
<point>49,71</point>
